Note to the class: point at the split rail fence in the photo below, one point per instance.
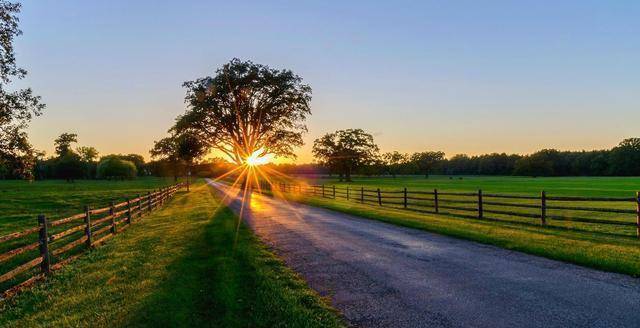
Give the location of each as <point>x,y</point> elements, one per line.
<point>58,242</point>
<point>623,213</point>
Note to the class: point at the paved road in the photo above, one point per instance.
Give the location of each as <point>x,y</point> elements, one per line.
<point>380,275</point>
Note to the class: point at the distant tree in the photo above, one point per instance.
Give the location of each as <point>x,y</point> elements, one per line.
<point>625,158</point>
<point>69,166</point>
<point>247,107</point>
<point>179,148</point>
<point>540,163</point>
<point>136,159</point>
<point>63,143</point>
<point>393,161</point>
<point>16,153</point>
<point>17,106</point>
<point>427,160</point>
<point>88,156</point>
<point>113,167</point>
<point>345,150</point>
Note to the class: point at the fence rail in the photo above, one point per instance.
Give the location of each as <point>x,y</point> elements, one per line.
<point>61,241</point>
<point>478,203</point>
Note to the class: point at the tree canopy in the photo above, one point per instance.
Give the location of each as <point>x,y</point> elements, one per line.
<point>345,150</point>
<point>393,161</point>
<point>179,148</point>
<point>63,143</point>
<point>17,106</point>
<point>427,160</point>
<point>246,107</point>
<point>113,166</point>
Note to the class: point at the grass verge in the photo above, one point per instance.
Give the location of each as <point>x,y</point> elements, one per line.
<point>595,250</point>
<point>21,201</point>
<point>186,265</point>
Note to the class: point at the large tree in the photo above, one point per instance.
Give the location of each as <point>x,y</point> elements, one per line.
<point>246,107</point>
<point>425,161</point>
<point>345,151</point>
<point>17,106</point>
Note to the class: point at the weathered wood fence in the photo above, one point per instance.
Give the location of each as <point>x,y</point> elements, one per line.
<point>478,204</point>
<point>60,241</point>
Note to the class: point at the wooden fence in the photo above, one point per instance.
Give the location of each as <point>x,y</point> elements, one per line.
<point>58,242</point>
<point>478,204</point>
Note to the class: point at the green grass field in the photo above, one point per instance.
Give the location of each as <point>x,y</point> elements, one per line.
<point>183,266</point>
<point>561,186</point>
<point>610,248</point>
<point>21,201</point>
<point>558,186</point>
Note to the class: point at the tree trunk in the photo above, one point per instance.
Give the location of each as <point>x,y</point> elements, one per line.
<point>348,174</point>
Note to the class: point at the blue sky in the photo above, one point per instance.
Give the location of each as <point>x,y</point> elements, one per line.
<point>458,76</point>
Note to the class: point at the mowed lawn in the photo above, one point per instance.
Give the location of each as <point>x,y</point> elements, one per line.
<point>605,247</point>
<point>21,201</point>
<point>187,265</point>
<point>524,186</point>
<point>554,186</point>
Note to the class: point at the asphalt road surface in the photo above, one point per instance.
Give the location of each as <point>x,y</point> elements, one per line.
<point>381,275</point>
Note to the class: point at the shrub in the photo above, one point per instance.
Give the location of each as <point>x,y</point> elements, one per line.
<point>114,167</point>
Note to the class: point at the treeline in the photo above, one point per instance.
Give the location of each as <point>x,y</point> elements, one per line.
<point>70,162</point>
<point>622,160</point>
<point>341,153</point>
<point>84,163</point>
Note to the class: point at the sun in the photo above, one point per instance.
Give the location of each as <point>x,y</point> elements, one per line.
<point>255,159</point>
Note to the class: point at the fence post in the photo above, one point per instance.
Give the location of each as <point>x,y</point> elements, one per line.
<point>638,214</point>
<point>361,195</point>
<point>405,197</point>
<point>128,211</point>
<point>480,203</point>
<point>113,219</point>
<point>87,227</point>
<point>347,192</point>
<point>543,207</point>
<point>379,198</point>
<point>322,190</point>
<point>139,205</point>
<point>149,200</point>
<point>334,191</point>
<point>435,200</point>
<point>43,240</point>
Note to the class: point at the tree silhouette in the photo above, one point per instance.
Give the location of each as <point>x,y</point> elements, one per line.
<point>393,161</point>
<point>179,148</point>
<point>345,150</point>
<point>17,106</point>
<point>425,161</point>
<point>246,107</point>
<point>63,143</point>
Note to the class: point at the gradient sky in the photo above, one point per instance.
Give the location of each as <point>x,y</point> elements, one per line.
<point>458,76</point>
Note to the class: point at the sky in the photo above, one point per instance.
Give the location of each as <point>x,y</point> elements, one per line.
<point>458,76</point>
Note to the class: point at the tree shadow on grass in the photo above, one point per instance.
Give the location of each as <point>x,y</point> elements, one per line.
<point>204,287</point>
<point>227,278</point>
